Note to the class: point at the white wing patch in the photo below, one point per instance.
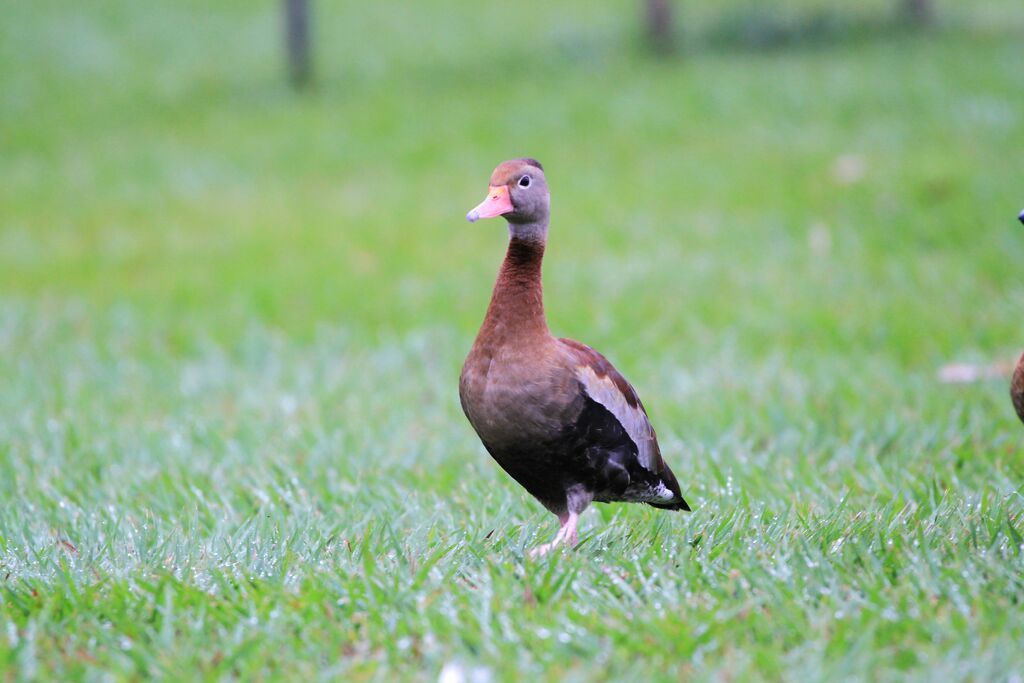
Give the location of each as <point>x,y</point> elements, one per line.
<point>633,420</point>
<point>649,494</point>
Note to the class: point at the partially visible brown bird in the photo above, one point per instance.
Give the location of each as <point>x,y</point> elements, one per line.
<point>1017,384</point>
<point>1017,388</point>
<point>554,413</point>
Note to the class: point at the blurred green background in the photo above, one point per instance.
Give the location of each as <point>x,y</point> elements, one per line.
<point>154,155</point>
<point>223,300</point>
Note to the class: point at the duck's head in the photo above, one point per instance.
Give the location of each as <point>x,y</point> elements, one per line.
<point>1021,217</point>
<point>519,193</point>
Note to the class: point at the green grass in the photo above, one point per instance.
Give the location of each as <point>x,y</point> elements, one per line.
<point>232,318</point>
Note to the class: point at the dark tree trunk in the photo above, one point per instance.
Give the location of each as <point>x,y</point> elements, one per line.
<point>296,36</point>
<point>658,25</point>
<point>920,12</point>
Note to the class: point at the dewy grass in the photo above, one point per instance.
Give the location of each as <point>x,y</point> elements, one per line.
<point>264,511</point>
<point>232,318</point>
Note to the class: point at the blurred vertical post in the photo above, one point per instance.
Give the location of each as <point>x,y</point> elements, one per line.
<point>658,25</point>
<point>919,12</point>
<point>296,36</point>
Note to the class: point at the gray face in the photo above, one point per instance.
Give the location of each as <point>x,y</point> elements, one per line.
<point>528,190</point>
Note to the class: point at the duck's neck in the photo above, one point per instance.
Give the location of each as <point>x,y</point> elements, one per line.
<point>516,312</point>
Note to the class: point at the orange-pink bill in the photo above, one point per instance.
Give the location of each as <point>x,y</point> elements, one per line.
<point>497,203</point>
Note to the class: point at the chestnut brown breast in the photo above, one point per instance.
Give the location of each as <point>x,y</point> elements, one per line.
<point>517,394</point>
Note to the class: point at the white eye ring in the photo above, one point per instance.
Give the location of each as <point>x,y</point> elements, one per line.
<point>524,181</point>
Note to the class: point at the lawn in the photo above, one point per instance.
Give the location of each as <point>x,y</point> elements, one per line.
<point>232,319</point>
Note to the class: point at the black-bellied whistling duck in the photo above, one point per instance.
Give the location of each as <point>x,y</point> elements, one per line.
<point>1017,389</point>
<point>552,412</point>
<point>1017,384</point>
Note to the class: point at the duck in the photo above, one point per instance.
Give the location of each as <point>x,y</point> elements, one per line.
<point>1017,383</point>
<point>1017,388</point>
<point>553,413</point>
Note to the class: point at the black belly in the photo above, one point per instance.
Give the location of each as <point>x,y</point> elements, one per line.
<point>594,452</point>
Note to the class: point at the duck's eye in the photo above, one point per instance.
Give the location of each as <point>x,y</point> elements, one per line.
<point>524,181</point>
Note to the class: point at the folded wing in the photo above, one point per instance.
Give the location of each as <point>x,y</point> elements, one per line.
<point>606,386</point>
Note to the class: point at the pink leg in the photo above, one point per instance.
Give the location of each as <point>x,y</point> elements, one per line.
<point>571,537</point>
<point>567,534</point>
